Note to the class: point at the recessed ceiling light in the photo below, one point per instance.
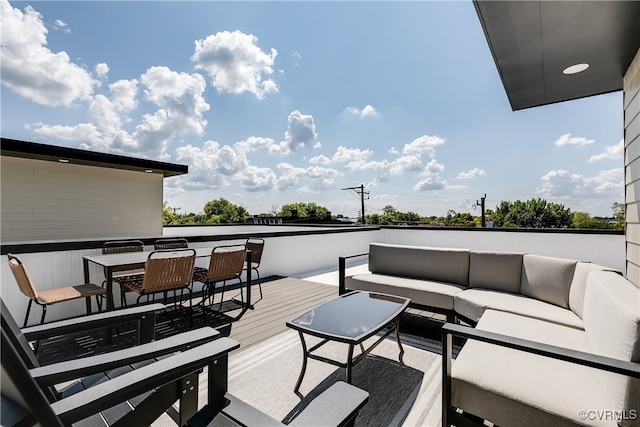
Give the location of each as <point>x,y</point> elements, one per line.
<point>63,160</point>
<point>574,69</point>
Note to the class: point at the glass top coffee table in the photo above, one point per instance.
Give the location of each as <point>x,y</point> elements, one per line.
<point>351,318</point>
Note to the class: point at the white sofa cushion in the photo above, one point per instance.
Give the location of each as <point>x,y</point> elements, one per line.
<point>472,303</point>
<point>511,387</point>
<point>425,292</point>
<point>612,324</point>
<point>495,270</point>
<point>547,279</point>
<point>579,284</point>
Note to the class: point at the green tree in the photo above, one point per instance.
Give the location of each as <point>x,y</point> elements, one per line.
<point>389,210</point>
<point>223,211</point>
<point>534,213</point>
<point>303,209</point>
<point>619,215</point>
<point>584,220</point>
<point>454,219</point>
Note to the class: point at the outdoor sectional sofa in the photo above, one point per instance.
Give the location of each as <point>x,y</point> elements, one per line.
<point>556,341</point>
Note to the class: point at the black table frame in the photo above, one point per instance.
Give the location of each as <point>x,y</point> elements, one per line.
<point>391,323</point>
<point>110,261</point>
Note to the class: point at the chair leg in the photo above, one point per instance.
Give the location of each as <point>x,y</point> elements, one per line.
<point>259,282</point>
<point>44,313</point>
<point>26,317</point>
<point>224,284</point>
<point>88,304</point>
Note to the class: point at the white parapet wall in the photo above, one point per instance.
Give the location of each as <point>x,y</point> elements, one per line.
<point>306,251</point>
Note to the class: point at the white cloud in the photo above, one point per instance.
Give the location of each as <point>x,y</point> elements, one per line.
<point>253,143</point>
<point>424,145</point>
<point>62,26</point>
<point>211,166</point>
<point>33,71</point>
<point>559,183</point>
<point>349,155</point>
<point>430,178</point>
<point>320,160</point>
<point>611,152</point>
<point>102,70</point>
<point>123,94</point>
<point>405,164</point>
<point>473,173</point>
<point>367,111</point>
<point>181,108</point>
<point>291,175</point>
<point>235,63</point>
<point>258,179</point>
<point>567,139</point>
<point>301,132</point>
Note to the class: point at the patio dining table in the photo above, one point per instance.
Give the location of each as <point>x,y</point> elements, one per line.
<point>111,261</point>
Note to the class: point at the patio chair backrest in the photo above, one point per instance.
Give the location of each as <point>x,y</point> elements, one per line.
<point>22,277</point>
<point>123,246</point>
<point>19,387</point>
<point>168,270</point>
<point>173,243</point>
<point>227,262</point>
<point>256,246</point>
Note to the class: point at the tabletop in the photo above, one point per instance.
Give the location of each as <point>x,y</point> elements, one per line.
<point>351,317</point>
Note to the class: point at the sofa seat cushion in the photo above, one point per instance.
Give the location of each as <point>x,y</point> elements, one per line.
<point>472,303</point>
<point>511,387</point>
<point>423,292</point>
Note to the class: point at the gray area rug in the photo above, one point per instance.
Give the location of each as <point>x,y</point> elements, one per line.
<point>265,375</point>
<point>400,395</point>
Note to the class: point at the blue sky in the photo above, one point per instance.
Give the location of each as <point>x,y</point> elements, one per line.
<point>270,103</point>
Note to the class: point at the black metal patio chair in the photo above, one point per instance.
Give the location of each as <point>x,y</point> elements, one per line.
<point>83,373</point>
<point>162,383</point>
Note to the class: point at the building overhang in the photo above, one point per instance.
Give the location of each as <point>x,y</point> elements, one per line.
<point>53,153</point>
<point>533,42</point>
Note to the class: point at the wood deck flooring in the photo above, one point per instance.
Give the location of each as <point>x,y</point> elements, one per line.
<point>283,299</point>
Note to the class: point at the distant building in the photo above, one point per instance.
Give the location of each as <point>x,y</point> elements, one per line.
<point>295,219</point>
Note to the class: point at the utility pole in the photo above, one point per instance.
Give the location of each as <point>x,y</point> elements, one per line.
<point>360,191</point>
<point>481,203</point>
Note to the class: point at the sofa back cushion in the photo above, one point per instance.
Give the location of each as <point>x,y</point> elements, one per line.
<point>612,325</point>
<point>547,279</point>
<point>501,271</point>
<point>579,284</point>
<point>420,262</point>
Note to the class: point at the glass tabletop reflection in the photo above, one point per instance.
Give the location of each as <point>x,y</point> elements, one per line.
<point>351,315</point>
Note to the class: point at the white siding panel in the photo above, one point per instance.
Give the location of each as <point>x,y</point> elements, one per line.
<point>632,167</point>
<point>44,200</point>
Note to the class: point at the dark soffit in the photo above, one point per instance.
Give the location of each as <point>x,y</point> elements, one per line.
<point>532,42</point>
<point>54,153</point>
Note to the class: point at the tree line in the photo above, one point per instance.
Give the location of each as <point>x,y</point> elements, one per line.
<point>534,213</point>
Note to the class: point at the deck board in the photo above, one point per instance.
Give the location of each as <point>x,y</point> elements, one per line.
<point>283,299</point>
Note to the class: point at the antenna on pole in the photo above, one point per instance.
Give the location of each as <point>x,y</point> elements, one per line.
<point>360,191</point>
